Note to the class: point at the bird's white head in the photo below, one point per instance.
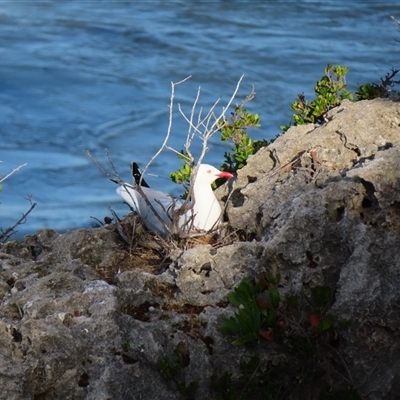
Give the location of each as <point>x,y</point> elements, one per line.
<point>208,174</point>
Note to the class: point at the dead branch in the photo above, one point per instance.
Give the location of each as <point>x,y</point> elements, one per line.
<point>395,20</point>
<point>388,81</point>
<point>208,132</point>
<point>12,172</point>
<point>115,177</point>
<point>4,236</point>
<point>167,136</point>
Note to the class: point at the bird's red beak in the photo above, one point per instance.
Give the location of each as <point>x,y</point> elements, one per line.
<point>225,174</point>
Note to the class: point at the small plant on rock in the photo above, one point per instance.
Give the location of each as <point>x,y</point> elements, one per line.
<point>320,301</point>
<point>255,316</point>
<point>305,331</point>
<point>371,91</point>
<point>330,90</point>
<point>236,131</point>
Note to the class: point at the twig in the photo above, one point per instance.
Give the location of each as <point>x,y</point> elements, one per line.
<point>395,20</point>
<point>208,132</point>
<point>116,178</point>
<point>388,79</point>
<point>98,221</point>
<point>12,172</point>
<point>10,231</point>
<point>350,378</point>
<point>190,136</point>
<point>171,109</point>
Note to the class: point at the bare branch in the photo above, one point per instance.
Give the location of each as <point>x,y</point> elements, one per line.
<point>116,178</point>
<point>10,231</point>
<point>171,109</point>
<point>213,127</point>
<point>12,172</point>
<point>192,130</point>
<point>206,127</point>
<point>395,20</point>
<point>208,133</point>
<point>178,153</point>
<point>139,189</point>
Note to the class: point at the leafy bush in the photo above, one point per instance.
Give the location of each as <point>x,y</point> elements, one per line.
<point>255,316</point>
<point>330,90</point>
<point>259,317</point>
<point>304,330</point>
<point>236,131</point>
<point>371,91</point>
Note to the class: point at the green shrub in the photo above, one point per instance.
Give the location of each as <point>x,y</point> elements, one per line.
<point>371,91</point>
<point>255,316</point>
<point>330,90</point>
<point>236,131</point>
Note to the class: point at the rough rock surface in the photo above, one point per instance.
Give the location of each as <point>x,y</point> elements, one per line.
<point>321,206</point>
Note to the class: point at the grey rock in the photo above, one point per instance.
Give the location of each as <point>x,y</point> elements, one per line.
<point>81,318</point>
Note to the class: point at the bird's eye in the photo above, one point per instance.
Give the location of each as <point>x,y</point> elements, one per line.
<point>209,171</point>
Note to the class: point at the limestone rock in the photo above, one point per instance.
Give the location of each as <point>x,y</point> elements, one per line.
<point>83,318</point>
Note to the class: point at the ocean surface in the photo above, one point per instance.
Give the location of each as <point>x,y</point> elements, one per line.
<point>96,75</point>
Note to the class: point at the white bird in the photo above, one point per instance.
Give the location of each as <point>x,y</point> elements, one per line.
<point>204,215</point>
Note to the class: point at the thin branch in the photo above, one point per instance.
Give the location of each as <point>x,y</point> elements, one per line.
<point>98,221</point>
<point>139,189</point>
<point>178,153</point>
<point>208,134</point>
<point>224,109</point>
<point>116,178</point>
<point>12,172</point>
<point>10,231</point>
<point>395,20</point>
<point>171,109</point>
<point>388,79</point>
<point>251,378</point>
<point>350,377</point>
<point>200,123</point>
<point>191,134</point>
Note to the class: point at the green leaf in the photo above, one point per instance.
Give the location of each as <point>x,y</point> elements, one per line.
<point>271,316</point>
<point>327,323</point>
<point>230,326</point>
<point>273,279</point>
<point>274,297</point>
<point>234,299</point>
<point>322,297</point>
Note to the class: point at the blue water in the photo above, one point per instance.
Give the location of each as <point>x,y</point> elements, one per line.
<point>77,76</point>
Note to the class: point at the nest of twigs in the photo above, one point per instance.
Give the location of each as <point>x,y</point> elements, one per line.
<point>146,251</point>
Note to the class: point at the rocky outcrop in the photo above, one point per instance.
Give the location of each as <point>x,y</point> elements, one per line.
<point>83,317</point>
